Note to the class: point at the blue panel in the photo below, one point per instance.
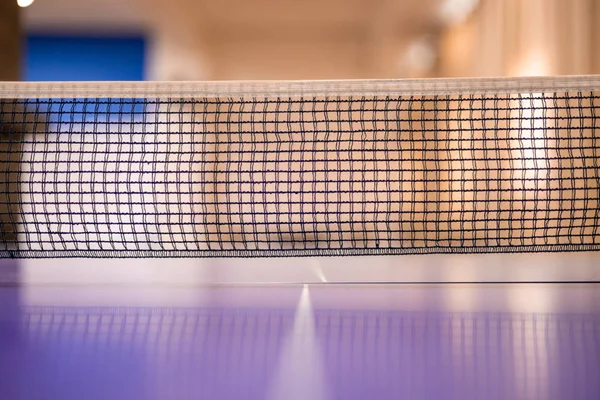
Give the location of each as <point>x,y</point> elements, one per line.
<point>63,113</point>
<point>71,58</point>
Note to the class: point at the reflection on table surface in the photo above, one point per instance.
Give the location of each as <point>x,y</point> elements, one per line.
<point>302,342</point>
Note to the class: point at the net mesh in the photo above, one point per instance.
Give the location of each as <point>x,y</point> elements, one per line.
<point>261,174</point>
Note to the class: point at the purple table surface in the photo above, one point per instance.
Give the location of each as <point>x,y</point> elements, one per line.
<point>301,342</point>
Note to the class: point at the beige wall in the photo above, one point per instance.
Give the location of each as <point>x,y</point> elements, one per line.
<point>268,39</point>
<point>500,38</point>
<point>523,37</point>
<point>179,54</point>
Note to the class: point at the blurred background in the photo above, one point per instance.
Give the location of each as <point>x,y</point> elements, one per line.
<point>108,329</point>
<point>311,39</point>
<point>47,40</point>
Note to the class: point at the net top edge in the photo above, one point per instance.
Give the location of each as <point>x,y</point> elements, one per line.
<point>286,89</point>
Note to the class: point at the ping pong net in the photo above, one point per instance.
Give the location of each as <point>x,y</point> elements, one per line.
<point>299,168</point>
